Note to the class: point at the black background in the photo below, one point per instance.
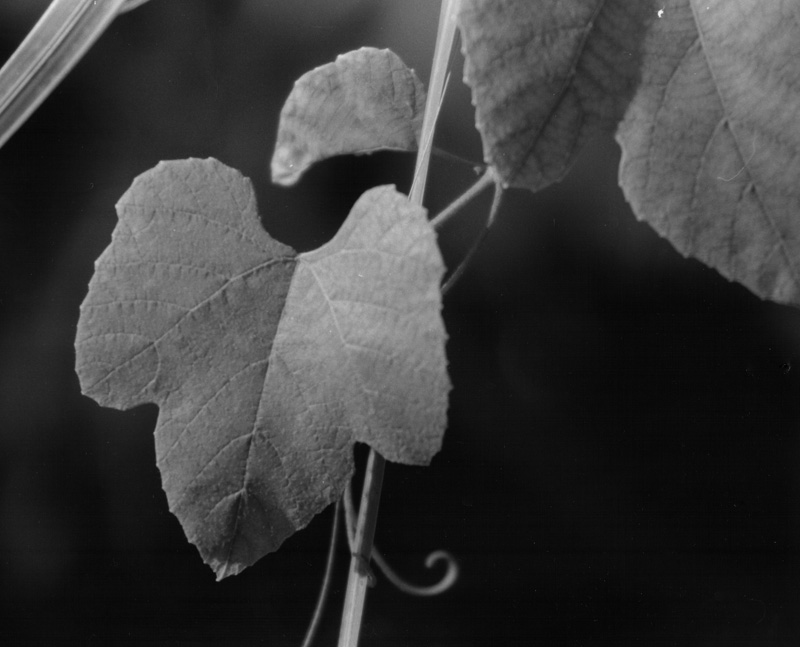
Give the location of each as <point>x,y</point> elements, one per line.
<point>621,461</point>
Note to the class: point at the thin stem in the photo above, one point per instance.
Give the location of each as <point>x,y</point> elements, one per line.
<point>322,599</point>
<point>445,37</point>
<point>350,517</point>
<point>417,192</point>
<point>484,181</point>
<point>452,157</point>
<point>462,266</point>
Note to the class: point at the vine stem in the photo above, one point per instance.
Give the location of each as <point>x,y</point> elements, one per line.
<point>64,33</point>
<point>322,599</point>
<point>360,576</point>
<point>379,560</point>
<point>485,181</point>
<point>495,208</point>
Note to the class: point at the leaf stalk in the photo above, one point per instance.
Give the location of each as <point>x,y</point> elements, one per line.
<point>322,599</point>
<point>484,181</point>
<point>462,266</point>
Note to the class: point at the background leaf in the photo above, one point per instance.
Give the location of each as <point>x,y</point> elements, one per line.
<point>547,77</point>
<point>711,143</point>
<point>266,365</point>
<point>367,100</point>
<point>703,97</point>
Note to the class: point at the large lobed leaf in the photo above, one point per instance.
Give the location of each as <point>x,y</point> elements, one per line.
<point>703,97</point>
<point>266,365</point>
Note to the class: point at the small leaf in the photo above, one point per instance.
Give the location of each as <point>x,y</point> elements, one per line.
<point>703,96</point>
<point>266,365</point>
<point>367,100</point>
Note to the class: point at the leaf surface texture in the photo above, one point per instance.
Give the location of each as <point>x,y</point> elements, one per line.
<point>266,365</point>
<point>365,101</point>
<point>702,96</point>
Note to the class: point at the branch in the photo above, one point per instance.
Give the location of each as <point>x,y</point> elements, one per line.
<point>64,33</point>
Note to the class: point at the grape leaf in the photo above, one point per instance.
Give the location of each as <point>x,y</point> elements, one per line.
<point>703,97</point>
<point>367,100</point>
<point>266,365</point>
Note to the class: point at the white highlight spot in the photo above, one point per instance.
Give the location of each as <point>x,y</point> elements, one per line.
<point>660,13</point>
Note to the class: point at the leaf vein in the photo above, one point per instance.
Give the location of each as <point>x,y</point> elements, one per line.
<point>790,263</point>
<point>206,404</point>
<point>197,215</point>
<point>561,94</point>
<point>194,308</point>
<point>117,302</point>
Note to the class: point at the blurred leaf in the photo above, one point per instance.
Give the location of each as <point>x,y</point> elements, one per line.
<point>546,77</point>
<point>267,365</point>
<point>703,97</point>
<point>367,100</point>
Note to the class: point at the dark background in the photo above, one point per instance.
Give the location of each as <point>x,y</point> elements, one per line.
<point>621,464</point>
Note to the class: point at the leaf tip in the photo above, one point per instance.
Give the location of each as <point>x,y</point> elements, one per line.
<point>223,570</point>
<point>289,162</point>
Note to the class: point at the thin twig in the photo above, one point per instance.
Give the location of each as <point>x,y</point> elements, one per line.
<point>462,266</point>
<point>322,599</point>
<point>445,37</point>
<point>452,157</point>
<point>350,517</point>
<point>417,192</point>
<point>484,181</point>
